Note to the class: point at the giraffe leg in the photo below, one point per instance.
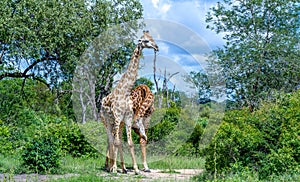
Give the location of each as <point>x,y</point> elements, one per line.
<point>141,128</point>
<point>130,142</point>
<point>131,146</point>
<point>143,144</point>
<point>115,145</point>
<point>111,151</point>
<point>124,170</point>
<point>107,157</point>
<point>106,119</point>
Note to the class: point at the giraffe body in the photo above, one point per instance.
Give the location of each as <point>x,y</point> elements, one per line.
<point>117,107</point>
<point>143,107</point>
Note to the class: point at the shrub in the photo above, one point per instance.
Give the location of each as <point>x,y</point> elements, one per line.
<point>235,141</point>
<point>72,141</point>
<point>5,143</point>
<point>161,128</point>
<point>191,147</point>
<point>42,154</point>
<point>266,141</point>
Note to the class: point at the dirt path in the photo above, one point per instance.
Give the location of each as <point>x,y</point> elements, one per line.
<point>155,175</point>
<point>159,175</point>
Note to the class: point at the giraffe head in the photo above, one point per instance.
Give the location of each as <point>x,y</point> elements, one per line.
<point>146,41</point>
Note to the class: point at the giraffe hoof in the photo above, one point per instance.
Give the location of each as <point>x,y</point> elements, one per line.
<point>124,171</point>
<point>113,170</point>
<point>147,170</point>
<point>137,172</point>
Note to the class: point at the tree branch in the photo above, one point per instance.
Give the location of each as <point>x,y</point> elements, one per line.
<point>15,75</point>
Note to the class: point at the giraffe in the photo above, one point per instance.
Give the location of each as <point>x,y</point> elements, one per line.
<point>117,107</point>
<point>143,107</point>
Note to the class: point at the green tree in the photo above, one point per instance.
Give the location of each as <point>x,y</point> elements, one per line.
<point>200,81</point>
<point>262,52</point>
<point>15,97</point>
<point>144,81</point>
<point>43,39</point>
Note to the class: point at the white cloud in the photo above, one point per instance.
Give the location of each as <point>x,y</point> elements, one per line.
<point>165,8</point>
<point>155,3</point>
<point>156,8</point>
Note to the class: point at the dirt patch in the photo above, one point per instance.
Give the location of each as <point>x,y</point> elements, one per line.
<point>154,175</point>
<point>174,175</point>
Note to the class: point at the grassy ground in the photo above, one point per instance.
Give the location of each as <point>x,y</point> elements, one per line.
<point>91,169</point>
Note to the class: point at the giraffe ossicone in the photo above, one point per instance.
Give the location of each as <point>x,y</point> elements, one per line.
<point>117,107</point>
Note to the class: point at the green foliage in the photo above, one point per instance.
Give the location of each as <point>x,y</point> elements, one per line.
<point>31,109</point>
<point>10,163</point>
<point>42,154</point>
<point>266,141</point>
<point>72,140</point>
<point>29,123</point>
<point>191,146</point>
<point>166,125</point>
<point>261,53</point>
<point>45,38</point>
<point>200,81</point>
<point>5,143</point>
<point>144,81</point>
<point>15,96</point>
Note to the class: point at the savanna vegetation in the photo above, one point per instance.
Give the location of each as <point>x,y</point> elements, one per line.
<point>252,136</point>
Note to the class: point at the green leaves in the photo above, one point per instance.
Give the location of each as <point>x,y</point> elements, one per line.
<point>6,145</point>
<point>200,81</point>
<point>262,48</point>
<point>42,155</point>
<point>46,38</point>
<point>265,141</point>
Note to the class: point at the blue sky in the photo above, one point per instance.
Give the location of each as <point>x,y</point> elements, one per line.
<point>179,28</point>
<point>190,13</point>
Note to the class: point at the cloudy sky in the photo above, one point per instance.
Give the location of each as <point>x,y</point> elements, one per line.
<point>179,28</point>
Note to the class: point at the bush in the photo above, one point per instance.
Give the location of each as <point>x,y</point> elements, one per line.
<point>265,141</point>
<point>42,155</point>
<point>72,141</point>
<point>165,124</point>
<point>5,143</point>
<point>191,148</point>
<point>235,141</point>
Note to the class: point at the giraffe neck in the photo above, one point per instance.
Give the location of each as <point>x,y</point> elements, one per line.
<point>129,77</point>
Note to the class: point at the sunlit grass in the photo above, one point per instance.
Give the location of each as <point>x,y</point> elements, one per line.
<point>82,165</point>
<point>176,162</point>
<point>10,164</point>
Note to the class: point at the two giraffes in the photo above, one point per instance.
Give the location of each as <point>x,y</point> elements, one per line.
<point>122,106</point>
